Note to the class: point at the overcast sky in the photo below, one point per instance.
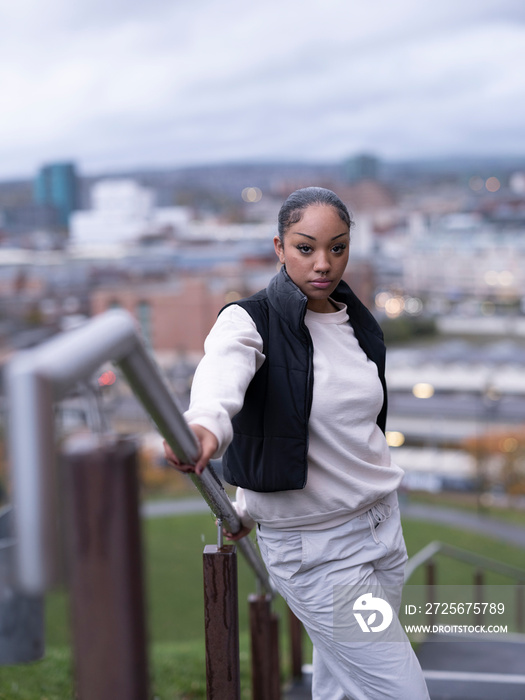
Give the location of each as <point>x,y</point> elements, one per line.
<point>125,83</point>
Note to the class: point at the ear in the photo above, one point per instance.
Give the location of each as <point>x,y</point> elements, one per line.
<point>279,249</point>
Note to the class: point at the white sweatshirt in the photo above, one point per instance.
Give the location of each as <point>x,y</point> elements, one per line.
<point>349,463</point>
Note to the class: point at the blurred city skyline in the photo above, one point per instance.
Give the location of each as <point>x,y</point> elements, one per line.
<point>176,84</point>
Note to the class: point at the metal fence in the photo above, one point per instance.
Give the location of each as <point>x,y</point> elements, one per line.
<point>38,377</point>
<point>100,515</point>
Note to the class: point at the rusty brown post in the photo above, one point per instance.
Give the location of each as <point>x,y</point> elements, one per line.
<point>520,607</point>
<point>274,656</point>
<point>431,573</point>
<point>296,645</point>
<point>431,582</point>
<point>221,622</point>
<point>105,569</point>
<point>266,683</point>
<point>478,594</point>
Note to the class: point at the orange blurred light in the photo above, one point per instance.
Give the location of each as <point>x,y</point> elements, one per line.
<point>509,444</point>
<point>492,184</point>
<point>107,378</point>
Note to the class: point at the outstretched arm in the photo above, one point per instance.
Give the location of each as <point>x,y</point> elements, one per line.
<point>233,354</point>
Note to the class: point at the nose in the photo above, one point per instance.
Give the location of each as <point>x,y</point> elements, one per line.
<point>322,262</point>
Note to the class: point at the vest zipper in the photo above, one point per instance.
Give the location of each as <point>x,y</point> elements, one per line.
<point>310,395</point>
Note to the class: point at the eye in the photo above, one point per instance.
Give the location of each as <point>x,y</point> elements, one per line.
<point>304,248</point>
<point>339,248</point>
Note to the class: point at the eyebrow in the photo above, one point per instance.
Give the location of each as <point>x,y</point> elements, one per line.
<point>313,238</point>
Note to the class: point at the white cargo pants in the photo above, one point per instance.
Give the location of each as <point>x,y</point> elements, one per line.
<point>366,551</point>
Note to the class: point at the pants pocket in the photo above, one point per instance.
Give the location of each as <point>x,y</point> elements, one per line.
<point>282,552</point>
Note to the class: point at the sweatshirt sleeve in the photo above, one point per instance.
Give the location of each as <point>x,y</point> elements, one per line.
<point>232,356</point>
<point>241,509</point>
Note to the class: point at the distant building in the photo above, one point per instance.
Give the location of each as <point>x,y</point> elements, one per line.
<point>29,218</point>
<point>361,167</point>
<point>56,186</point>
<point>173,316</point>
<point>176,315</point>
<point>123,211</point>
<point>462,258</point>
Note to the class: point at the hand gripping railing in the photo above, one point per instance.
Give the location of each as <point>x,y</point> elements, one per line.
<point>38,377</point>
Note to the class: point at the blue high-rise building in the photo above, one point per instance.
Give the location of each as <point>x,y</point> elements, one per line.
<point>56,185</point>
<point>362,167</point>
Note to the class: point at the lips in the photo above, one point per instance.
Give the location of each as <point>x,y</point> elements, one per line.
<point>321,283</point>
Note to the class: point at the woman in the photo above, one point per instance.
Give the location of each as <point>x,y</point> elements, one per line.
<point>291,391</point>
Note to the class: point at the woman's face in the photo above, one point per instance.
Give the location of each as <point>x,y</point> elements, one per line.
<point>315,253</point>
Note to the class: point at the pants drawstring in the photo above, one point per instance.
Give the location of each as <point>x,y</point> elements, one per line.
<point>378,513</point>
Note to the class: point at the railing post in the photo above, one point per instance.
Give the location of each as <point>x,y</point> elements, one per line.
<point>275,657</point>
<point>520,607</point>
<point>266,684</point>
<point>431,573</point>
<point>478,593</point>
<point>221,622</point>
<point>105,569</point>
<point>296,645</point>
<point>430,577</point>
<point>21,615</point>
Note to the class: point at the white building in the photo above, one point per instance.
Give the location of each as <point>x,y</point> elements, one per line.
<point>460,257</point>
<point>122,212</point>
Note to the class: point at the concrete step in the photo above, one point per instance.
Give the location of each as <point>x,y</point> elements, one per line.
<point>474,668</point>
<point>458,668</point>
<point>300,689</point>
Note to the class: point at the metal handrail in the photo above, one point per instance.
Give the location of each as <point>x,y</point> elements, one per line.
<point>41,375</point>
<point>433,548</point>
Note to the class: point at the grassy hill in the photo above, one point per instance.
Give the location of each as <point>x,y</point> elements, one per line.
<point>173,554</point>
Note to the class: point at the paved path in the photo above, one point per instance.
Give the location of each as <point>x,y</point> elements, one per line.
<point>481,524</point>
<point>183,506</point>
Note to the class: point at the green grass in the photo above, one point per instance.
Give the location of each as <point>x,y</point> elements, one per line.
<point>449,571</point>
<point>469,503</point>
<point>176,669</point>
<point>48,679</point>
<point>173,555</point>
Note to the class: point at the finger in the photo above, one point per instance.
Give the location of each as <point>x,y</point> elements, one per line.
<point>238,535</point>
<point>176,464</point>
<point>199,468</point>
<point>185,469</point>
<point>168,451</point>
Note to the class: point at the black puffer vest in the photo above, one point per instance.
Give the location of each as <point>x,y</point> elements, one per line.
<point>270,444</point>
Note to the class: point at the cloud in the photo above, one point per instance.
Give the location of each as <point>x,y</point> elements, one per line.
<point>129,84</point>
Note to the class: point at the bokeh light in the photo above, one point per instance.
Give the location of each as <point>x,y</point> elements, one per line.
<point>492,184</point>
<point>394,307</point>
<point>506,278</point>
<point>491,278</point>
<point>509,444</point>
<point>413,306</point>
<point>394,438</point>
<point>423,390</point>
<point>381,299</point>
<point>251,194</point>
<point>107,378</point>
<point>476,183</point>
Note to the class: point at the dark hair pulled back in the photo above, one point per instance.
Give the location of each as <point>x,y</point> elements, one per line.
<point>293,208</point>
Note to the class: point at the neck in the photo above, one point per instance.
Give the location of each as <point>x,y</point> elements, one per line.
<point>322,306</point>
